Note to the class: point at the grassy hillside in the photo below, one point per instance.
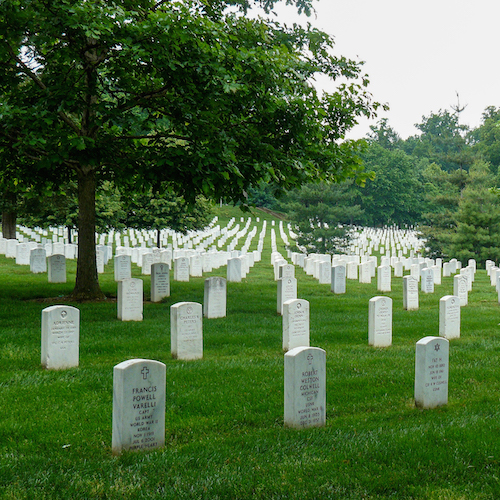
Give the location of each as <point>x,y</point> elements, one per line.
<point>225,437</point>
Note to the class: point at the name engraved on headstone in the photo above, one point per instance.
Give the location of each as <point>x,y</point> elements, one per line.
<point>160,281</point>
<point>449,317</point>
<point>295,324</point>
<point>380,322</point>
<point>215,297</point>
<point>431,372</point>
<point>186,330</point>
<point>305,387</point>
<point>139,387</point>
<point>60,337</point>
<point>130,300</point>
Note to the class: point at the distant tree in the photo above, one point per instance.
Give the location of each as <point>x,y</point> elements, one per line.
<point>321,214</point>
<point>487,137</point>
<point>477,232</point>
<point>59,207</point>
<point>395,195</point>
<point>442,195</point>
<point>149,210</point>
<point>442,141</point>
<point>384,135</point>
<point>263,195</point>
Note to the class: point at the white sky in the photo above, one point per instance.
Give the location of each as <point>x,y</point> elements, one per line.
<point>417,54</point>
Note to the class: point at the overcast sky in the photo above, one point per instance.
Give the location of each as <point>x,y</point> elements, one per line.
<point>417,54</point>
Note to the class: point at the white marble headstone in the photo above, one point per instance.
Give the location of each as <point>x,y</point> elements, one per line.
<point>234,272</point>
<point>305,387</point>
<point>130,300</point>
<point>23,254</point>
<point>410,293</point>
<point>460,288</point>
<point>431,372</point>
<point>384,278</point>
<point>295,324</point>
<point>215,298</point>
<point>181,269</point>
<point>286,271</point>
<point>287,290</point>
<point>449,317</point>
<point>56,268</point>
<point>380,322</point>
<point>122,267</point>
<point>160,281</point>
<point>186,334</point>
<point>338,279</point>
<point>147,262</point>
<point>139,389</point>
<point>38,260</point>
<point>365,272</point>
<point>60,337</point>
<point>427,280</point>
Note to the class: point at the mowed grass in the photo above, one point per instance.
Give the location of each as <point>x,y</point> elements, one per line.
<point>225,436</point>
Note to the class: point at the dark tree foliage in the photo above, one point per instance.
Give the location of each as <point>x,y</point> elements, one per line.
<point>321,215</point>
<point>184,95</point>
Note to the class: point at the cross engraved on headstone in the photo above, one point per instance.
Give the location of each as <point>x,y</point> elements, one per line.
<point>145,372</point>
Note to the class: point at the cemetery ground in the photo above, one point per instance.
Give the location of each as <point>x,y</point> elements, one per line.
<point>225,436</point>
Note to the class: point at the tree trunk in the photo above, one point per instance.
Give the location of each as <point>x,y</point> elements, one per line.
<point>9,215</point>
<point>9,225</point>
<point>87,281</point>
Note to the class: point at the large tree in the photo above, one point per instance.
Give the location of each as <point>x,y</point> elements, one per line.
<point>182,94</point>
<point>321,215</point>
<point>477,232</point>
<point>442,140</point>
<point>396,194</point>
<point>487,137</point>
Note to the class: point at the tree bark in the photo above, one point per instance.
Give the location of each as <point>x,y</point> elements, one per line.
<point>87,281</point>
<point>9,225</point>
<point>9,215</point>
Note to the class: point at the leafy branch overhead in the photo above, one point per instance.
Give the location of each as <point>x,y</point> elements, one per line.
<point>193,100</point>
<point>185,95</point>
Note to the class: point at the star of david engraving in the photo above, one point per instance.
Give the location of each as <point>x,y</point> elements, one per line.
<point>437,347</point>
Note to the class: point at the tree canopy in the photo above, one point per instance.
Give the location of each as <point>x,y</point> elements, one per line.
<point>180,95</point>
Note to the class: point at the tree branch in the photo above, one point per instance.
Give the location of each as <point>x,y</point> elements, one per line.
<point>155,136</point>
<point>144,95</point>
<point>38,82</point>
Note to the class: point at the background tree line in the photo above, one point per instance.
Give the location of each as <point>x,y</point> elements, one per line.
<point>444,180</point>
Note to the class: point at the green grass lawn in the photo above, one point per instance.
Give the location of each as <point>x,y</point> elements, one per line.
<point>224,414</point>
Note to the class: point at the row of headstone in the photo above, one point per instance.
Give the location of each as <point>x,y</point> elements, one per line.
<point>380,319</point>
<point>21,250</point>
<point>139,392</point>
<point>130,298</point>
